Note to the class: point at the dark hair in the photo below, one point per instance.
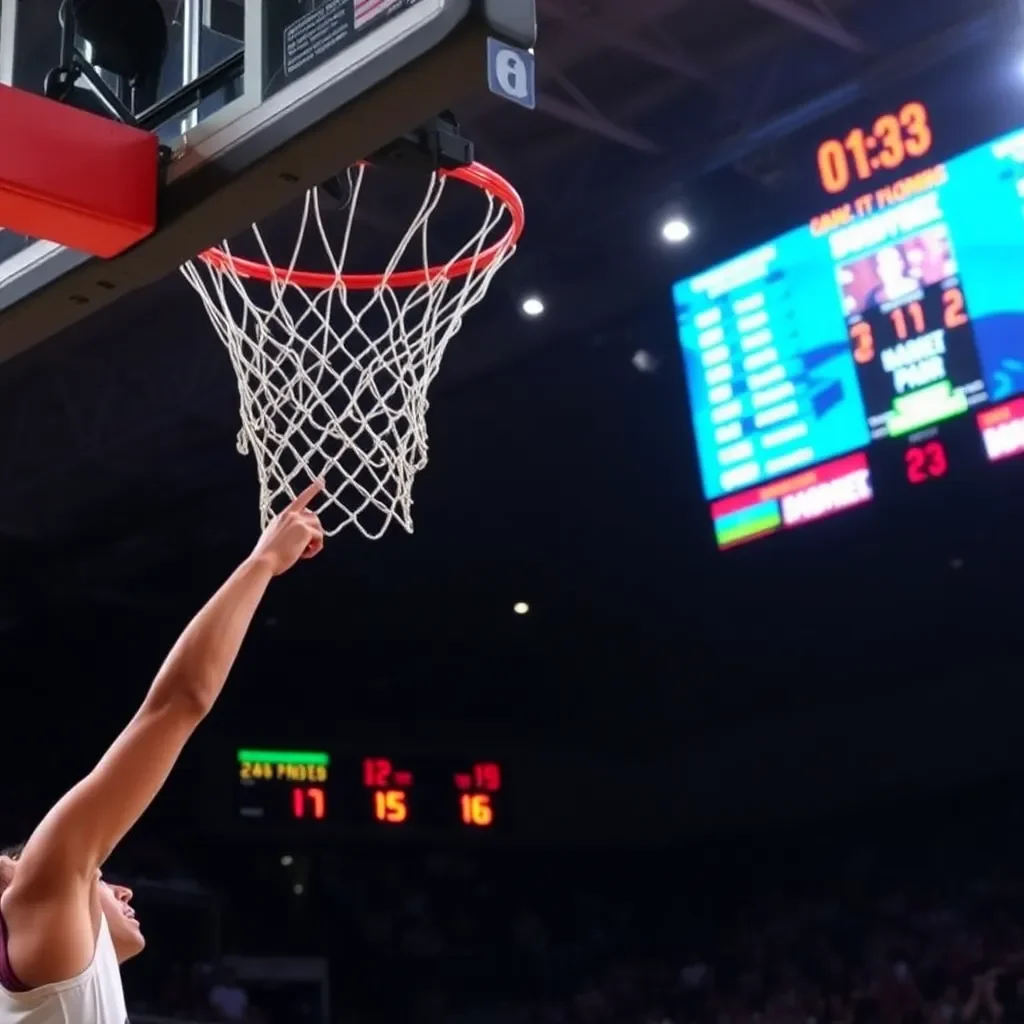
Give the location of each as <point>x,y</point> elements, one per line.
<point>13,853</point>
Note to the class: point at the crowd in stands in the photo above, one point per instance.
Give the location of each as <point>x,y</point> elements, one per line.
<point>883,930</point>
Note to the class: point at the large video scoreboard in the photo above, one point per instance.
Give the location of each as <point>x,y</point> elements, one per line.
<point>897,308</point>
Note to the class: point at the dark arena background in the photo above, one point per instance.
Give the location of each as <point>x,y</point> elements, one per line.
<point>665,713</point>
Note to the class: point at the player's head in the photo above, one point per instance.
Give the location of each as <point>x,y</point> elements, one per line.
<point>115,902</point>
<point>890,264</point>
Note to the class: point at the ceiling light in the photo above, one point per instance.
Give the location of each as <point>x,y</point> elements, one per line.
<point>675,230</point>
<point>532,306</point>
<point>286,861</point>
<point>520,607</point>
<point>644,361</point>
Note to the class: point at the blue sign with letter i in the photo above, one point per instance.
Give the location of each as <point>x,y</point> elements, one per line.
<point>510,73</point>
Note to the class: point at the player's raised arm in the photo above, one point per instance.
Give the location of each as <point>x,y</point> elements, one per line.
<point>81,830</point>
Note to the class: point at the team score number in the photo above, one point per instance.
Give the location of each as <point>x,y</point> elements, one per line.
<point>260,770</point>
<point>475,809</point>
<point>926,462</point>
<point>389,806</point>
<point>309,802</point>
<point>908,322</point>
<point>892,139</point>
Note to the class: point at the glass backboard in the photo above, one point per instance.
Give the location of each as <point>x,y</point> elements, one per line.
<point>289,92</point>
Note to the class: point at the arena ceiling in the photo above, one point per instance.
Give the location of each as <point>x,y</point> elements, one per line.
<point>556,467</point>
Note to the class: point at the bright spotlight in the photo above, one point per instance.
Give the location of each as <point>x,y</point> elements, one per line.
<point>520,607</point>
<point>287,861</point>
<point>675,230</point>
<point>532,306</point>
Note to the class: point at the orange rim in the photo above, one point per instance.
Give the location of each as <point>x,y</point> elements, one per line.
<point>474,174</point>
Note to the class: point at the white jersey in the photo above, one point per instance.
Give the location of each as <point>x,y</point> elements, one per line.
<point>95,996</point>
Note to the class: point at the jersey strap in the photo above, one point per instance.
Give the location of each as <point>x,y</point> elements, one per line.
<point>8,979</point>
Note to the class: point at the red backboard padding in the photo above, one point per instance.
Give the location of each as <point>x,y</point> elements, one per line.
<point>74,178</point>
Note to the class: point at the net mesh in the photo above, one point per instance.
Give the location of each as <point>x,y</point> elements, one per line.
<point>333,369</point>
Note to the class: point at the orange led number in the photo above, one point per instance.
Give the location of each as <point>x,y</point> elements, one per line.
<point>389,806</point>
<point>915,313</point>
<point>917,133</point>
<point>833,167</point>
<point>476,809</point>
<point>953,314</point>
<point>863,342</point>
<point>888,135</point>
<point>893,138</point>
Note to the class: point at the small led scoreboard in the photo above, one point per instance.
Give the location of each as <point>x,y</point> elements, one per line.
<point>322,791</point>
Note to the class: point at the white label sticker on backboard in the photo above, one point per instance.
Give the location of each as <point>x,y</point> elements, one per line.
<point>327,28</point>
<point>510,73</point>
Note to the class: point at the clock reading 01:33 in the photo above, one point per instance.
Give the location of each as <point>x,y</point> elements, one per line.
<point>893,138</point>
<point>313,787</point>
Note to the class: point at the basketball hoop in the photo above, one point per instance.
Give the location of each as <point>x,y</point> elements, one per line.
<point>333,368</point>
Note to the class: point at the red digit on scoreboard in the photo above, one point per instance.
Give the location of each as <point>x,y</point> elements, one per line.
<point>311,799</point>
<point>376,772</point>
<point>926,462</point>
<point>487,776</point>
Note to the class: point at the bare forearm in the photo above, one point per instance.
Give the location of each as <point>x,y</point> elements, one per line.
<point>199,663</point>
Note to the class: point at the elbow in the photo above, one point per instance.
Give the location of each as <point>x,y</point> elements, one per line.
<point>195,700</point>
<point>188,698</point>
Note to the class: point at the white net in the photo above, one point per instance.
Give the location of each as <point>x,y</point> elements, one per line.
<point>333,369</point>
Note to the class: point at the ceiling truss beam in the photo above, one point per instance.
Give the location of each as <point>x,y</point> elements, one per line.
<point>610,34</point>
<point>816,22</point>
<point>595,123</point>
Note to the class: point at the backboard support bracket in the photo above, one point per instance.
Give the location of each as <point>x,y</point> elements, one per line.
<point>435,145</point>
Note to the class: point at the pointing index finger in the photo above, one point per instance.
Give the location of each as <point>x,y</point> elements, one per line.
<point>303,500</point>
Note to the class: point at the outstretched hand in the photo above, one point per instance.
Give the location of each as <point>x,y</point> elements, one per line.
<point>295,533</point>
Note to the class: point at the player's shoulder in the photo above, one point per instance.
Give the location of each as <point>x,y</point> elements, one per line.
<point>33,920</point>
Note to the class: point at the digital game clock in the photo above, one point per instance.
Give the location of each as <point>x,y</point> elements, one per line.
<point>893,139</point>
